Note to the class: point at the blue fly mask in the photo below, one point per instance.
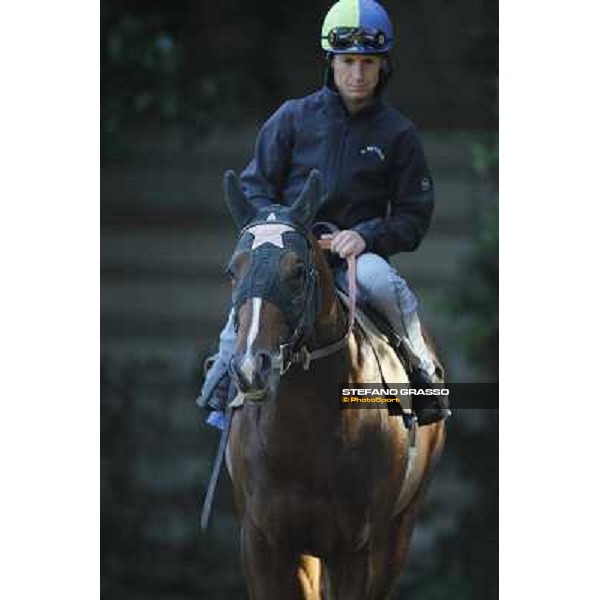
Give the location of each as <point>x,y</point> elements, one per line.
<point>269,245</point>
<point>271,238</point>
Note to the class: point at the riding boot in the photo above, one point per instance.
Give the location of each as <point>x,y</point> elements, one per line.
<point>428,409</point>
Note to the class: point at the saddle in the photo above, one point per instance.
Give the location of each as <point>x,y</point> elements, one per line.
<point>393,364</point>
<point>385,343</point>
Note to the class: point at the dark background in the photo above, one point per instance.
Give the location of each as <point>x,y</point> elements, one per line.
<point>185,86</point>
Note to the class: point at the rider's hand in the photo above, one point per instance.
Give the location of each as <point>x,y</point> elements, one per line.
<point>347,242</point>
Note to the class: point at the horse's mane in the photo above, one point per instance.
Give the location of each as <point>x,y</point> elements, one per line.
<point>331,318</point>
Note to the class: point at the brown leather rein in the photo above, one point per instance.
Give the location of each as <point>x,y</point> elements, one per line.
<point>351,262</point>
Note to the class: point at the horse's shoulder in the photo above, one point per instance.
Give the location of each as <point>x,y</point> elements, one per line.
<point>375,357</point>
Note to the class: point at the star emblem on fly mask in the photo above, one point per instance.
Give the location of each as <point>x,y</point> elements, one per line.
<point>268,233</point>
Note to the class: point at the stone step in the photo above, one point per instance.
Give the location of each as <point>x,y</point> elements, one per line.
<point>152,304</point>
<point>153,201</point>
<point>135,328</point>
<point>186,343</point>
<point>446,150</point>
<point>196,327</point>
<point>167,235</point>
<point>192,252</point>
<point>151,257</point>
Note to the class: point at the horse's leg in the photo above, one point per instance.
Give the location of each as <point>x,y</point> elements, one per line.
<point>271,572</point>
<point>309,574</point>
<point>348,576</point>
<point>390,552</point>
<point>390,549</point>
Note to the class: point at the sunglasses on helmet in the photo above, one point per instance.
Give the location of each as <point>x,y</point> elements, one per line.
<point>342,38</point>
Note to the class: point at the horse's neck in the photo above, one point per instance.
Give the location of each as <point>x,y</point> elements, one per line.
<point>301,393</point>
<point>330,323</point>
<point>306,402</point>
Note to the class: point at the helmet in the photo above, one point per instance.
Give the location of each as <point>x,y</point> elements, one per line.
<point>357,27</point>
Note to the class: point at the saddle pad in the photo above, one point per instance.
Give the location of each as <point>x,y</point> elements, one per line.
<point>390,369</point>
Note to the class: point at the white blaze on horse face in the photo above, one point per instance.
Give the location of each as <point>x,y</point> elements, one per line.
<point>247,364</point>
<point>268,233</point>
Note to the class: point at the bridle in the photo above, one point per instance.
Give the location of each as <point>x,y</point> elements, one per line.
<point>288,355</point>
<point>295,349</point>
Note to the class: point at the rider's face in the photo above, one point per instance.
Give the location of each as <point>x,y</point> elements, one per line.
<point>356,77</point>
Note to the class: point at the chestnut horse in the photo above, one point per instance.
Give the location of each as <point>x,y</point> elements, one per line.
<point>327,498</point>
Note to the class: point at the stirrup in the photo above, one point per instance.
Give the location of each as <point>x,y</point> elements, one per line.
<point>427,409</point>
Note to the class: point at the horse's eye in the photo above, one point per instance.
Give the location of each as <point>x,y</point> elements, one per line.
<point>297,272</point>
<point>237,266</point>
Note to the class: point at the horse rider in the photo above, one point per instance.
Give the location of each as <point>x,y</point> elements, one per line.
<point>379,191</point>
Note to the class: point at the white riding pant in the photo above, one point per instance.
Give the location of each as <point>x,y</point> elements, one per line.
<point>380,286</point>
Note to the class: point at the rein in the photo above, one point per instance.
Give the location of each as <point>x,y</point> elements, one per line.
<point>304,356</point>
<point>351,261</point>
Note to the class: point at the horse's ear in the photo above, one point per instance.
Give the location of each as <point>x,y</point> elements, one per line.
<point>240,208</point>
<point>308,203</point>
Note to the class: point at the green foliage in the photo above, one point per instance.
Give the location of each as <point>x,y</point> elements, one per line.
<point>485,157</point>
<point>139,63</point>
<point>476,301</point>
<point>152,74</point>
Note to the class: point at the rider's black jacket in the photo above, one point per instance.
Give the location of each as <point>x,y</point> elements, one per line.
<point>375,174</point>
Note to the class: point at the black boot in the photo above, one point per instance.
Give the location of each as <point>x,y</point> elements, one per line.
<point>427,409</point>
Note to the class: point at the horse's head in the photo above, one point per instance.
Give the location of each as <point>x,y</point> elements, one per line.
<point>275,284</point>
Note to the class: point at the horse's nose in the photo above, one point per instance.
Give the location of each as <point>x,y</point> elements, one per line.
<point>252,371</point>
<point>261,371</point>
<point>263,365</point>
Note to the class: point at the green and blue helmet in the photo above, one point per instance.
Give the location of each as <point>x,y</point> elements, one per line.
<point>357,27</point>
